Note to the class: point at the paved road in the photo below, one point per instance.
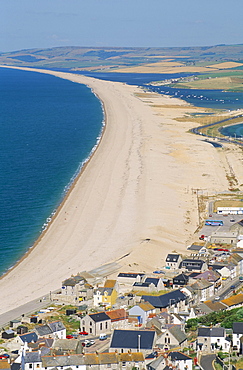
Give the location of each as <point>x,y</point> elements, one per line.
<point>206,362</point>
<point>26,309</point>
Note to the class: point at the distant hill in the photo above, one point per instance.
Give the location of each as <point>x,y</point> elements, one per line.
<point>110,59</point>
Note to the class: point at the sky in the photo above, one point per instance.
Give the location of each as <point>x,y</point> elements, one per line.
<point>26,24</point>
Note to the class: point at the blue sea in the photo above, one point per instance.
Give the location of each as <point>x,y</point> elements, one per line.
<point>48,128</point>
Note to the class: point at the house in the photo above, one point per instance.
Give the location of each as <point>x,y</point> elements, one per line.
<point>129,278</point>
<point>27,338</point>
<point>142,311</point>
<point>169,300</point>
<point>212,277</point>
<point>180,280</point>
<point>173,336</point>
<point>105,297</point>
<point>77,288</point>
<point>119,318</point>
<point>204,289</point>
<point>71,362</point>
<point>172,360</point>
<point>133,341</point>
<point>190,264</point>
<point>157,283</point>
<point>67,346</point>
<point>150,284</point>
<point>54,329</point>
<point>209,339</point>
<point>220,237</point>
<point>198,250</point>
<point>31,360</point>
<point>173,261</point>
<point>237,336</point>
<point>239,261</point>
<point>97,361</point>
<point>96,323</point>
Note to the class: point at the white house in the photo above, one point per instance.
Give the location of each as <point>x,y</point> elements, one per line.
<point>238,336</point>
<point>209,339</point>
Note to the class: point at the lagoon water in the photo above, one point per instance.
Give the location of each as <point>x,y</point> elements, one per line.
<point>48,127</point>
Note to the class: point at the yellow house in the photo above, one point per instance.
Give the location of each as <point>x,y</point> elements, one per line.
<point>105,297</point>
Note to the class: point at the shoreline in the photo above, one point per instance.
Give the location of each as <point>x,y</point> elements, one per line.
<point>133,199</point>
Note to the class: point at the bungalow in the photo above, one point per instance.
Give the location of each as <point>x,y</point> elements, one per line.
<point>190,264</point>
<point>142,311</point>
<point>149,284</point>
<point>209,339</point>
<point>96,323</point>
<point>129,278</point>
<point>172,299</point>
<point>133,341</point>
<point>173,261</point>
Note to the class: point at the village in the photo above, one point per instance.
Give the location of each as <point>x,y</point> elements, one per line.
<point>171,318</point>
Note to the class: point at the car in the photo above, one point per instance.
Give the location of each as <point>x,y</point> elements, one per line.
<point>69,336</point>
<point>92,341</point>
<point>217,298</point>
<point>158,272</point>
<point>4,356</point>
<point>241,278</point>
<point>232,220</point>
<point>83,333</point>
<point>232,287</point>
<point>103,337</point>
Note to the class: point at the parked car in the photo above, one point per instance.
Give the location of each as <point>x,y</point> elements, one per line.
<point>232,287</point>
<point>69,337</point>
<point>103,336</point>
<point>83,333</point>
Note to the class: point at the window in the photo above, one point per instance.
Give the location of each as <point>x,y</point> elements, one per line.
<point>30,366</point>
<point>90,323</point>
<point>123,363</point>
<point>106,325</point>
<point>101,326</point>
<point>37,365</point>
<point>168,340</point>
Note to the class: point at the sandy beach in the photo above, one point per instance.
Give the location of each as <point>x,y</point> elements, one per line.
<point>135,196</point>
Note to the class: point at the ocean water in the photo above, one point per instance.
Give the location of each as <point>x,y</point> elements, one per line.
<point>48,127</point>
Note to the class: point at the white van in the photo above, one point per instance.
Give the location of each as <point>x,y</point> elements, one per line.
<point>103,336</point>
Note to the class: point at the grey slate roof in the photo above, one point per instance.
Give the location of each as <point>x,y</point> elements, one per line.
<point>179,335</point>
<point>150,280</point>
<point>179,356</point>
<point>66,344</point>
<point>31,357</point>
<point>211,332</point>
<point>56,326</point>
<point>238,327</point>
<point>71,360</point>
<point>130,339</point>
<point>165,300</point>
<point>43,330</point>
<point>29,337</point>
<point>100,316</point>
